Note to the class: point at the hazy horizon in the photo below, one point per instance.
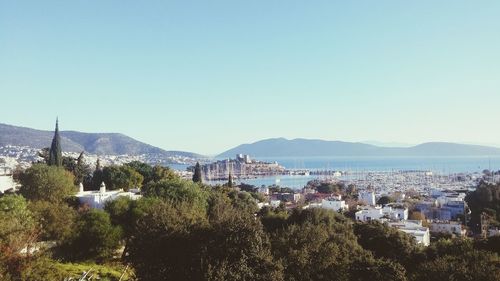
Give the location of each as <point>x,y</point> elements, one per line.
<point>207,76</point>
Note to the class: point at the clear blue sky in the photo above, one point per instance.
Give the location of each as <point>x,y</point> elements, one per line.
<point>205,76</point>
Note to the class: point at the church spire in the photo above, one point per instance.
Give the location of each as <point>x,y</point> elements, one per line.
<point>55,153</point>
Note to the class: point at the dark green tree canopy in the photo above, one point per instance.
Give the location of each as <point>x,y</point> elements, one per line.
<point>55,152</point>
<point>121,177</point>
<point>197,176</point>
<point>48,183</point>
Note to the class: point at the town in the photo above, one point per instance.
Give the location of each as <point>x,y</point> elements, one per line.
<point>105,219</point>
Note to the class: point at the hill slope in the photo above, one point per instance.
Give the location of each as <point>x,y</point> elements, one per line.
<point>94,143</point>
<point>281,147</point>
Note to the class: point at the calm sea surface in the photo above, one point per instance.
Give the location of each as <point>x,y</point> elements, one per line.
<point>440,165</point>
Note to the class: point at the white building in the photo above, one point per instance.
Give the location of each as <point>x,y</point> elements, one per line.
<point>334,203</point>
<point>450,227</point>
<point>98,199</point>
<point>493,231</point>
<point>445,199</point>
<point>275,203</point>
<point>6,180</point>
<point>369,213</point>
<point>367,197</point>
<point>264,190</point>
<point>393,212</point>
<point>415,229</point>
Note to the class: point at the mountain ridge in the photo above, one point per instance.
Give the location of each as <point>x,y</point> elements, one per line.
<point>75,141</point>
<point>300,147</point>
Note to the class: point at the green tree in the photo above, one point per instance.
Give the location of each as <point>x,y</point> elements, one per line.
<point>230,182</point>
<point>93,237</point>
<point>150,173</point>
<point>49,183</point>
<point>97,176</point>
<point>385,242</point>
<point>17,229</point>
<point>486,198</point>
<point>466,266</point>
<point>384,200</point>
<point>162,246</point>
<point>316,244</point>
<point>370,269</point>
<point>121,177</point>
<point>197,176</point>
<point>238,249</point>
<point>55,152</point>
<point>178,191</point>
<point>55,220</point>
<point>328,188</point>
<point>82,171</point>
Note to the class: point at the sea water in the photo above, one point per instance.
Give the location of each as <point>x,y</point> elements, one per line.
<point>356,165</point>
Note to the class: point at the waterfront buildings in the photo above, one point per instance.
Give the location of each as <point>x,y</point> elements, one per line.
<point>242,167</point>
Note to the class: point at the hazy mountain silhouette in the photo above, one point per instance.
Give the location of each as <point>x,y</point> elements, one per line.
<point>281,147</point>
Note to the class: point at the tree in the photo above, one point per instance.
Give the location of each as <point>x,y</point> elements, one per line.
<point>97,176</point>
<point>238,249</point>
<point>162,246</point>
<point>178,191</point>
<point>385,242</point>
<point>94,237</point>
<point>384,200</point>
<point>327,188</point>
<point>82,171</point>
<point>150,173</point>
<point>243,201</point>
<point>486,198</point>
<point>121,177</point>
<point>316,244</point>
<point>370,269</point>
<point>55,152</point>
<point>17,229</point>
<point>467,266</point>
<point>174,242</point>
<point>230,182</point>
<point>55,220</point>
<point>197,176</point>
<point>49,183</point>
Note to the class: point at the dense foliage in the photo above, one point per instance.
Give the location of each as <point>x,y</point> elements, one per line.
<point>484,200</point>
<point>184,230</point>
<point>48,183</point>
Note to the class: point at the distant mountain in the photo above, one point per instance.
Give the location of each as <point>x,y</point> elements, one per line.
<point>94,143</point>
<point>281,147</point>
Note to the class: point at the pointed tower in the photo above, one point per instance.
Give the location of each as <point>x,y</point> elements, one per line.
<point>55,154</point>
